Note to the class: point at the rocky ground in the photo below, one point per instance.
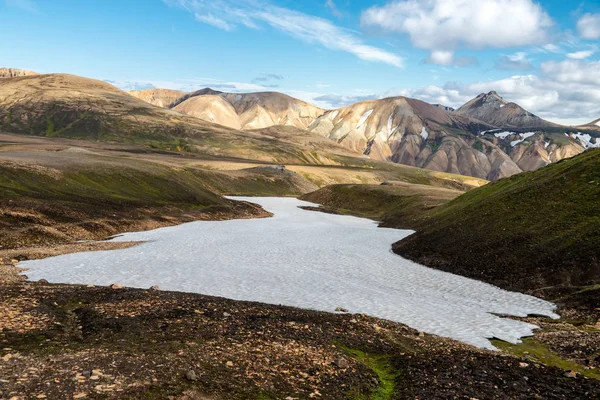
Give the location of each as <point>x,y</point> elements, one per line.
<point>70,341</point>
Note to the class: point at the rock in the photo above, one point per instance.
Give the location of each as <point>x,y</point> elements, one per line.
<point>89,286</point>
<point>341,309</point>
<point>7,357</point>
<point>96,372</point>
<point>523,365</point>
<point>86,373</point>
<point>116,286</point>
<point>191,375</point>
<point>571,374</point>
<point>229,364</point>
<point>43,281</point>
<point>341,362</point>
<point>155,287</point>
<point>14,262</point>
<point>421,334</point>
<point>226,314</point>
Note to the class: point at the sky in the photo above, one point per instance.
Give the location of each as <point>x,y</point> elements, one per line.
<point>543,55</point>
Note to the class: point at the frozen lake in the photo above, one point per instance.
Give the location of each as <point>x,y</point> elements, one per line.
<point>304,259</point>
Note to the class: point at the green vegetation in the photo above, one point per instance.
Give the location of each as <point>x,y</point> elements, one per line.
<point>526,232</point>
<point>535,351</point>
<point>382,366</point>
<point>478,145</point>
<point>394,205</point>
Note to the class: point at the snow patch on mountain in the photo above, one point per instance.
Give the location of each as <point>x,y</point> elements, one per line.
<point>523,137</point>
<point>424,133</point>
<point>586,140</point>
<point>364,118</point>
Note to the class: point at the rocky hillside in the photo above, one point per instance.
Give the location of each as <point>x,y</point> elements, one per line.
<point>14,72</point>
<point>412,132</point>
<point>494,110</point>
<point>533,231</point>
<point>158,97</point>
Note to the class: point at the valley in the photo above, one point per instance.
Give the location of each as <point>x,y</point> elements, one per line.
<point>82,161</point>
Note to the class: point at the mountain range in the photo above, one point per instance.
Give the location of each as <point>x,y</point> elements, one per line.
<point>488,137</point>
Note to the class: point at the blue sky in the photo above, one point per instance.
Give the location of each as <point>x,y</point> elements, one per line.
<point>544,55</point>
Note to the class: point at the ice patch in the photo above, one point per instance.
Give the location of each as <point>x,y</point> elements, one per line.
<point>364,118</point>
<point>389,125</point>
<point>333,115</point>
<point>586,140</point>
<point>424,133</point>
<point>502,105</point>
<point>523,137</point>
<point>504,135</point>
<point>598,123</point>
<point>546,145</point>
<point>304,259</point>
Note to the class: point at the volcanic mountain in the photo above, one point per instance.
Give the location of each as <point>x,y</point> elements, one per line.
<point>492,109</point>
<point>240,110</point>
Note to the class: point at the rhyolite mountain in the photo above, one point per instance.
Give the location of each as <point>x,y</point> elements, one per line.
<point>240,110</point>
<point>488,137</point>
<point>491,108</point>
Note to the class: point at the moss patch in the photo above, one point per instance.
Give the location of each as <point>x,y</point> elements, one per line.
<point>533,350</point>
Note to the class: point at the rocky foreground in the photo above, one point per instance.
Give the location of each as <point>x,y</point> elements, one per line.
<point>69,341</point>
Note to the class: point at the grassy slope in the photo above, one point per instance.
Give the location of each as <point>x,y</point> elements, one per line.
<point>394,205</point>
<point>65,201</point>
<point>531,231</point>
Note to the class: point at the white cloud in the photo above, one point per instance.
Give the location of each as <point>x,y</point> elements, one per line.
<point>227,15</point>
<point>330,5</point>
<point>588,26</point>
<point>517,61</point>
<point>566,92</point>
<point>444,26</point>
<point>581,55</point>
<point>190,85</point>
<point>214,21</point>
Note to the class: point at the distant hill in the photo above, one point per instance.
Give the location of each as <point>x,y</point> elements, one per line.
<point>249,110</point>
<point>531,231</point>
<point>158,97</point>
<point>14,72</point>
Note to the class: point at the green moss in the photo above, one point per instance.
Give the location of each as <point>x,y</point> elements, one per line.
<point>533,350</point>
<point>382,366</point>
<point>478,145</point>
<point>50,128</point>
